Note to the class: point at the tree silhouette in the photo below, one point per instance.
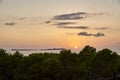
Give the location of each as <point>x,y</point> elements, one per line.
<point>87,65</point>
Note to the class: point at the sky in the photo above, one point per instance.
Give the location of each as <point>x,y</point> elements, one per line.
<point>70,24</point>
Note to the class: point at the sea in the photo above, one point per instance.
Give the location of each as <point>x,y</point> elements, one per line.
<point>28,52</point>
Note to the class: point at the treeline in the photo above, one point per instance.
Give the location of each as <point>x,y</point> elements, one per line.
<point>87,65</point>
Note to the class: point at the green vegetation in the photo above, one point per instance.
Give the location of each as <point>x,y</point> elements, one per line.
<point>87,65</point>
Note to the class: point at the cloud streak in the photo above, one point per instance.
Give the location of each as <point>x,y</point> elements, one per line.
<point>65,23</point>
<point>74,27</point>
<point>90,34</point>
<point>72,16</point>
<point>69,21</point>
<point>47,22</point>
<point>81,27</point>
<point>75,16</point>
<point>10,23</point>
<point>101,28</point>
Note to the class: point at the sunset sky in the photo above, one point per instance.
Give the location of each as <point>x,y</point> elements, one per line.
<point>70,24</point>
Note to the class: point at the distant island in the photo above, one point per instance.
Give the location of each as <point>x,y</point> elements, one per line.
<point>37,49</point>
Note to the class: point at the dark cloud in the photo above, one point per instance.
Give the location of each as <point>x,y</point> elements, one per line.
<point>10,23</point>
<point>74,16</point>
<point>98,34</point>
<point>74,27</point>
<point>48,22</point>
<point>84,34</point>
<point>101,28</point>
<point>65,23</point>
<point>90,34</point>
